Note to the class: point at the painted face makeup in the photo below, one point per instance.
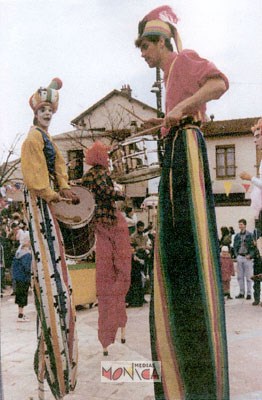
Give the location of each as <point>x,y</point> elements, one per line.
<point>44,115</point>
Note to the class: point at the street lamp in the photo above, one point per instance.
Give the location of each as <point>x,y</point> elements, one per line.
<point>157,89</point>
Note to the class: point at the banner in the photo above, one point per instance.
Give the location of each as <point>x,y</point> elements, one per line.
<point>227,187</point>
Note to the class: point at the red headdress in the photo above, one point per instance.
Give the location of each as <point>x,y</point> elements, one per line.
<point>157,22</point>
<point>97,154</point>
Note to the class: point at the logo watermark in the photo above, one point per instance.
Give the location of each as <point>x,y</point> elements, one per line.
<point>130,371</point>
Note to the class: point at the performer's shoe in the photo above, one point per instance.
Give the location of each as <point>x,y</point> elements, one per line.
<point>229,297</point>
<point>105,352</point>
<point>24,318</point>
<point>240,296</point>
<point>248,297</point>
<point>255,303</point>
<point>123,334</point>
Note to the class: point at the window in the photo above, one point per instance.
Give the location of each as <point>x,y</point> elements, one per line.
<point>75,164</point>
<point>225,161</point>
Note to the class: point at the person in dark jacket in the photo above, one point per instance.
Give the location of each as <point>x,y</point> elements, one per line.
<point>257,278</point>
<point>244,251</point>
<point>22,275</point>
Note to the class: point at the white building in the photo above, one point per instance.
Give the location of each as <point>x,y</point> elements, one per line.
<point>118,116</point>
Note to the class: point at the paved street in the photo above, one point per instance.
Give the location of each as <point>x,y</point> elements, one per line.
<point>244,327</point>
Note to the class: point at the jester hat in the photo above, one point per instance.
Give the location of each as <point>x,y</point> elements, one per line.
<point>160,22</point>
<point>46,96</point>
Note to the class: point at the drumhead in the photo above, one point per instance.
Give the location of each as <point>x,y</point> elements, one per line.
<point>76,215</point>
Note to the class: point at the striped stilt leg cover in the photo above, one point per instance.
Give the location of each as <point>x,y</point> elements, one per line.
<point>56,355</point>
<point>188,333</point>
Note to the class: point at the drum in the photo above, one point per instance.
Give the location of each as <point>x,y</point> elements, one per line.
<point>76,223</point>
<point>135,160</point>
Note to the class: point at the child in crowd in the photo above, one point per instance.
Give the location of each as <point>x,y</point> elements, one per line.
<point>227,269</point>
<point>22,275</point>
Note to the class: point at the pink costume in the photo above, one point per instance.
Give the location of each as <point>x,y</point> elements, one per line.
<point>113,265</point>
<point>113,250</point>
<point>227,270</point>
<point>184,74</point>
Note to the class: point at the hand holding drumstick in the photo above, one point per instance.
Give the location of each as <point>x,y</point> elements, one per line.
<point>69,195</point>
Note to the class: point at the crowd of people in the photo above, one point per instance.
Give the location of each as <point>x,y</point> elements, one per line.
<point>13,229</point>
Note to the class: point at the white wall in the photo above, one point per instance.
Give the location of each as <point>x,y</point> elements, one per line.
<point>229,216</point>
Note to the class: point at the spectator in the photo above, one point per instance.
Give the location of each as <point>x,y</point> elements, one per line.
<point>135,294</point>
<point>256,194</point>
<point>131,219</point>
<point>227,270</point>
<point>22,276</point>
<point>257,273</point>
<point>225,239</point>
<point>232,234</point>
<point>244,251</point>
<point>2,268</point>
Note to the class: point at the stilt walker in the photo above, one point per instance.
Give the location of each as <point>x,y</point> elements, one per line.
<point>187,321</point>
<point>43,168</point>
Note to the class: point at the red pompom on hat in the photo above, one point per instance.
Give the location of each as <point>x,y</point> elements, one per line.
<point>97,154</point>
<point>46,96</point>
<point>163,13</point>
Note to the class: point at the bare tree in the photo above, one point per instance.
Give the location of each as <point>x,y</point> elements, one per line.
<point>8,167</point>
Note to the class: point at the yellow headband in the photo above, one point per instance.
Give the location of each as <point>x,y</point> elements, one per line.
<point>157,27</point>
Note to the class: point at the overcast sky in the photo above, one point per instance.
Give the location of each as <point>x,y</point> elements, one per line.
<point>89,44</point>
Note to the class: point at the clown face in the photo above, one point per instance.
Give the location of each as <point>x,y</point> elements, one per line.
<point>44,115</point>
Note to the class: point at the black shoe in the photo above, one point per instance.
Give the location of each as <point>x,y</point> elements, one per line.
<point>248,297</point>
<point>240,296</point>
<point>105,353</point>
<point>123,340</point>
<point>255,303</point>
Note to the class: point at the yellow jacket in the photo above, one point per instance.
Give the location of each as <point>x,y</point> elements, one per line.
<point>34,167</point>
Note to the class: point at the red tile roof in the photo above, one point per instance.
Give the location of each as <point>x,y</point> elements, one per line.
<point>230,127</point>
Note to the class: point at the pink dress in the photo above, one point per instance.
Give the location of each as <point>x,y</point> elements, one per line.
<point>113,255</point>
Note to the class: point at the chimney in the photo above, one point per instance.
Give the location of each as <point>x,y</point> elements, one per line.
<point>126,90</point>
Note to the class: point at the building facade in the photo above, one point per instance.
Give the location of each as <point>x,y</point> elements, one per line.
<point>117,118</point>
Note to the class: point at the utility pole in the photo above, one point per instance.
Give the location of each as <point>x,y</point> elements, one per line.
<point>157,89</point>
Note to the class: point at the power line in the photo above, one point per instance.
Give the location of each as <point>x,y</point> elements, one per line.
<point>245,83</point>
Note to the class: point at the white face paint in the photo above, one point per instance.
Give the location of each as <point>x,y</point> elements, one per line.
<point>44,115</point>
<point>258,138</point>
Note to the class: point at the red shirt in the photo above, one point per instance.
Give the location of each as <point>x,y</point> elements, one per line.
<point>185,77</point>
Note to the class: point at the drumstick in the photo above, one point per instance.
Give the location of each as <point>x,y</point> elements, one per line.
<point>76,218</point>
<point>148,131</point>
<point>132,113</point>
<point>68,201</point>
